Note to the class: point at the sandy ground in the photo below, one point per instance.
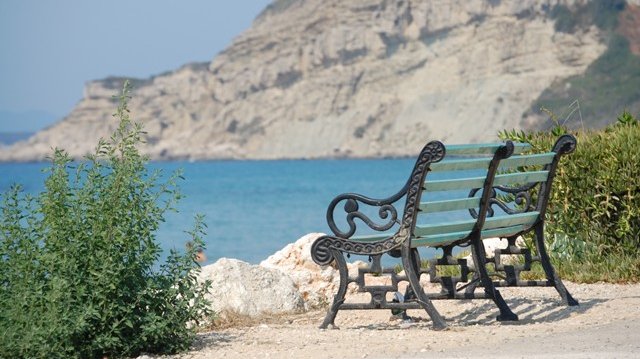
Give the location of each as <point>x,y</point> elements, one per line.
<point>605,325</point>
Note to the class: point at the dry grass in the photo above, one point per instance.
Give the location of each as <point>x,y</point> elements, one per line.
<point>232,319</point>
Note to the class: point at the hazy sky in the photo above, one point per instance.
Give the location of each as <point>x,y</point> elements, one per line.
<point>50,48</point>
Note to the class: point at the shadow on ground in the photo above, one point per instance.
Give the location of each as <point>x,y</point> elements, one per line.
<point>528,311</point>
<point>212,340</point>
<point>484,312</point>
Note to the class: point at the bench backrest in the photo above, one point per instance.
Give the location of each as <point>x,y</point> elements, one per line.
<point>501,202</point>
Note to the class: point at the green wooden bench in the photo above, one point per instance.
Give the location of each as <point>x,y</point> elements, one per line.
<point>456,196</point>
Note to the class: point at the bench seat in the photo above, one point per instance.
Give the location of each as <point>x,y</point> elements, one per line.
<point>449,232</point>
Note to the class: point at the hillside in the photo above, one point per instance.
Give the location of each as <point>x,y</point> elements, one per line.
<point>611,83</point>
<point>8,138</point>
<point>367,78</point>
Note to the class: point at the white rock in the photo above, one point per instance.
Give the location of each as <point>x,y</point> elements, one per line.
<point>250,290</point>
<point>317,285</point>
<point>490,246</point>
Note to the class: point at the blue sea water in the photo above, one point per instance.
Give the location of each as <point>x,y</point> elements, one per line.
<point>252,208</point>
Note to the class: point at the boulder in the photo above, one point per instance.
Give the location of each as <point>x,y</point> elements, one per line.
<point>251,290</point>
<point>317,284</point>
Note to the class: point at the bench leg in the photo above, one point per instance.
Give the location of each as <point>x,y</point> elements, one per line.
<point>550,272</point>
<point>479,258</point>
<point>411,264</point>
<point>339,298</point>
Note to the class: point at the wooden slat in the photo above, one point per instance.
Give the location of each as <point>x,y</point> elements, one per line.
<point>460,164</point>
<point>451,184</point>
<point>438,239</point>
<point>371,237</point>
<point>467,225</point>
<point>527,160</point>
<point>444,228</point>
<point>478,182</point>
<point>483,148</point>
<point>504,231</point>
<point>520,177</point>
<point>448,238</point>
<point>483,163</point>
<point>450,205</point>
<point>526,218</point>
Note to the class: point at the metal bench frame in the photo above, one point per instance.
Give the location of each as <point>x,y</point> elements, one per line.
<point>404,242</point>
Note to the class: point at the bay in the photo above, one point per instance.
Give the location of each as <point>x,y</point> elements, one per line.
<point>253,208</point>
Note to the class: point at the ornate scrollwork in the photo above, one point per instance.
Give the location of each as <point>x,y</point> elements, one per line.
<point>321,249</point>
<point>565,144</point>
<point>320,252</point>
<point>386,212</point>
<point>521,197</point>
<point>432,152</point>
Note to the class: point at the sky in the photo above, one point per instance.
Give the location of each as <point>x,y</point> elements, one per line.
<point>49,49</point>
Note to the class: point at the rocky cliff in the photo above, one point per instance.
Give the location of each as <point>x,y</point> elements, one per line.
<point>333,78</point>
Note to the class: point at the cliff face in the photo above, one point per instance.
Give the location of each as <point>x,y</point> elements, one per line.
<point>325,78</point>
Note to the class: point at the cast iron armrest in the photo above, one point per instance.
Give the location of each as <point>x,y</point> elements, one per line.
<point>387,212</point>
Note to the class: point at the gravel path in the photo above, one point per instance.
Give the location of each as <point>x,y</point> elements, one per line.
<point>605,325</point>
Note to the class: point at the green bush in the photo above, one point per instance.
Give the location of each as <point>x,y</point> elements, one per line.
<point>594,209</point>
<point>79,272</point>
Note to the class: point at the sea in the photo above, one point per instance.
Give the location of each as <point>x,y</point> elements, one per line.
<point>253,208</point>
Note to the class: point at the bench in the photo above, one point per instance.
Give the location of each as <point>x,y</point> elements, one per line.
<point>470,193</point>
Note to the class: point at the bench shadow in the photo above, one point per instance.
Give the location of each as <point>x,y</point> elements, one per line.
<point>528,310</point>
<point>419,322</point>
<point>484,312</point>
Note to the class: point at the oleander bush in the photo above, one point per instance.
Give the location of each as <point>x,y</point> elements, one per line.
<point>79,263</point>
<point>593,217</point>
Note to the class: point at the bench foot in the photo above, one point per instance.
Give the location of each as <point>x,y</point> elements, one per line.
<point>329,319</point>
<point>411,263</point>
<point>479,258</point>
<point>330,326</point>
<point>438,321</point>
<point>339,298</point>
<point>565,295</point>
<point>572,302</point>
<point>550,272</point>
<point>505,312</point>
<point>511,317</point>
<point>439,325</point>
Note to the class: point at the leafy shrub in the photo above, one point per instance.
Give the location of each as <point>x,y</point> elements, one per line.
<point>594,209</point>
<point>78,263</point>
